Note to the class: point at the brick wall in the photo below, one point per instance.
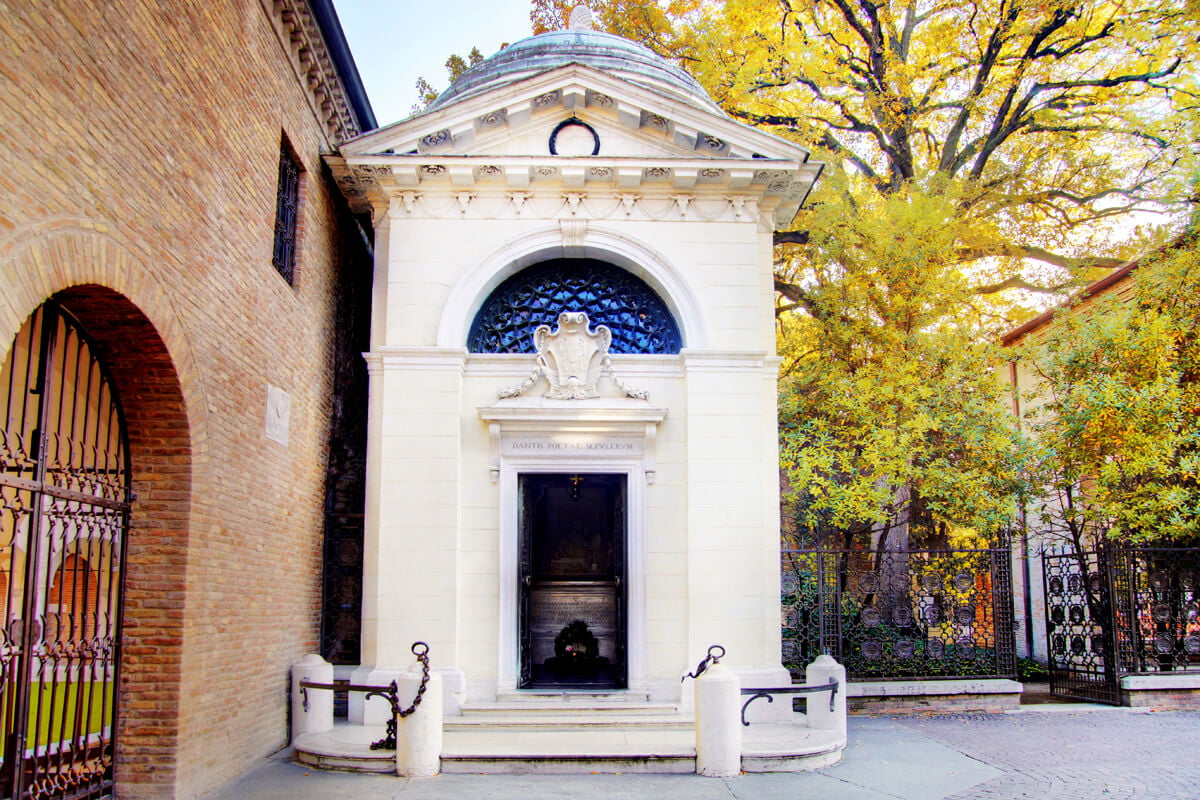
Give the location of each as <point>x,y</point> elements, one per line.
<point>140,145</point>
<point>1162,699</point>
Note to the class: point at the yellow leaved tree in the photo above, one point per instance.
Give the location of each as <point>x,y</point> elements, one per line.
<point>983,157</point>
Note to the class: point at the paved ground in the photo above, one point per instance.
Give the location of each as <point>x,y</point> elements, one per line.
<point>1063,753</point>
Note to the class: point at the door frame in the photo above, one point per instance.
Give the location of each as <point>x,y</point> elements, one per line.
<point>510,469</point>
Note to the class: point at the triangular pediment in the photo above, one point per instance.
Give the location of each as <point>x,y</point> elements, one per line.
<point>518,118</point>
<point>511,139</point>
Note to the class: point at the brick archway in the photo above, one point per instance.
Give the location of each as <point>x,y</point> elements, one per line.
<point>121,305</point>
<point>155,573</point>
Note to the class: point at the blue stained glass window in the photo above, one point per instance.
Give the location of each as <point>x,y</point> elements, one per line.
<point>639,320</point>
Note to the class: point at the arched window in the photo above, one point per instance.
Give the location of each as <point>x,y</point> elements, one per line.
<point>639,320</point>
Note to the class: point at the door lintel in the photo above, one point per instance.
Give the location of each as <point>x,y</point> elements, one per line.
<point>572,429</point>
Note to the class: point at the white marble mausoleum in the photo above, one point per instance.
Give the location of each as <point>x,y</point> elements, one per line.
<point>572,477</point>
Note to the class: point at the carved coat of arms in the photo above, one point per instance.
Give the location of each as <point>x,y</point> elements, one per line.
<point>573,358</point>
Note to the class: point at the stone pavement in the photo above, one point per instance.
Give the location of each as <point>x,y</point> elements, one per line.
<point>1067,752</point>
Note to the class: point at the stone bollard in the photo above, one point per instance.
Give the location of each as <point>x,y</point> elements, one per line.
<point>817,710</point>
<point>312,709</point>
<point>718,694</point>
<point>419,735</point>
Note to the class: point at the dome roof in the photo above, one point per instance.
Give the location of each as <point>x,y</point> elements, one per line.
<point>601,51</point>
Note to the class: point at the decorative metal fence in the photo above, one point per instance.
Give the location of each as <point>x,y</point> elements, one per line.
<point>1120,610</point>
<point>900,615</point>
<point>1158,630</point>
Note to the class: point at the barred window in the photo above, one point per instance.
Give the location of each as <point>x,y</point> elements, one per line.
<point>638,318</point>
<point>287,213</point>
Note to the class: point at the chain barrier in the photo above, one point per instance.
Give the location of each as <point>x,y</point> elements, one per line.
<point>392,695</point>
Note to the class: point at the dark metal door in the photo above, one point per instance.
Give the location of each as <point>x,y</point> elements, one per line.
<point>572,581</point>
<point>64,514</point>
<point>1079,626</point>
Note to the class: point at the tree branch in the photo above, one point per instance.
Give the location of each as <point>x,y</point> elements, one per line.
<point>1039,254</point>
<point>791,237</point>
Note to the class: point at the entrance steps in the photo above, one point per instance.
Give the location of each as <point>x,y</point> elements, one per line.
<point>576,733</point>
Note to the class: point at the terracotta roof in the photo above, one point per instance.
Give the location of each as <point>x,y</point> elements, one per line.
<point>1097,288</point>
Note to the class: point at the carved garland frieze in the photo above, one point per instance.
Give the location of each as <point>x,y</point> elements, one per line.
<point>577,205</point>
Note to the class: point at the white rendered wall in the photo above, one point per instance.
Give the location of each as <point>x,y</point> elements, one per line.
<point>708,532</point>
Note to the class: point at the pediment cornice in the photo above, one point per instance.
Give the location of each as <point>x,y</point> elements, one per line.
<point>454,129</point>
<point>691,151</point>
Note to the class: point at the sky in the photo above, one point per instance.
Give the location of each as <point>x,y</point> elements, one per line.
<point>396,41</point>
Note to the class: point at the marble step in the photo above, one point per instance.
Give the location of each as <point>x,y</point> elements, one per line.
<point>556,709</point>
<point>574,696</point>
<point>557,719</point>
<point>629,748</point>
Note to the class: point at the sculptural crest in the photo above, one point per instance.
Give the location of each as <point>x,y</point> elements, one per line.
<point>573,358</point>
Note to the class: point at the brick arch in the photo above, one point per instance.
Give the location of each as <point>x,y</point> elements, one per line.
<point>123,306</point>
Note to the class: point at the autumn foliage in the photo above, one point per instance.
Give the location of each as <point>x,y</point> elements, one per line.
<point>984,159</point>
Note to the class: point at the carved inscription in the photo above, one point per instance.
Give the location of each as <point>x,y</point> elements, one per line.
<point>574,446</point>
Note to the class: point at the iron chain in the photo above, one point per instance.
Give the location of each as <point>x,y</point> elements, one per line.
<point>392,695</point>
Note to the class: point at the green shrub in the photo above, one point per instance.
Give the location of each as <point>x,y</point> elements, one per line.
<point>1030,671</point>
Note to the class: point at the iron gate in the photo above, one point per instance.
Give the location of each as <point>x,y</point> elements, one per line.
<point>64,513</point>
<point>1119,610</point>
<point>1079,621</point>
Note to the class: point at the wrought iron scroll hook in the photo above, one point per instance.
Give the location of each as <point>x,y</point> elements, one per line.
<point>713,657</point>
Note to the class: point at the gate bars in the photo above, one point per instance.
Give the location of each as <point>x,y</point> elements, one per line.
<point>64,513</point>
<point>900,614</point>
<point>1119,610</point>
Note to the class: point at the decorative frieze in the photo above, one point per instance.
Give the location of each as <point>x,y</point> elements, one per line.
<point>579,187</point>
<point>573,205</point>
